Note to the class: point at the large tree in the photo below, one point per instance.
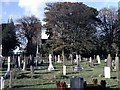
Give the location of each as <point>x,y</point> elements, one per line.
<point>108,29</point>
<point>29,27</point>
<point>9,39</point>
<point>71,26</point>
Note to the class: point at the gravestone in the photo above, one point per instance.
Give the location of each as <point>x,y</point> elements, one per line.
<point>80,58</point>
<point>64,70</point>
<point>90,59</point>
<point>19,62</point>
<point>55,59</point>
<point>98,59</point>
<point>109,62</point>
<point>50,68</point>
<point>107,72</point>
<point>117,68</point>
<point>71,56</point>
<point>59,61</point>
<point>8,64</point>
<point>77,68</point>
<point>24,64</point>
<point>10,83</point>
<point>2,83</point>
<point>0,65</point>
<point>76,83</point>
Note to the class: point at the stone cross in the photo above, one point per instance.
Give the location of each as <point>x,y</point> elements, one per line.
<point>98,59</point>
<point>77,68</point>
<point>8,64</point>
<point>2,83</point>
<point>76,83</point>
<point>64,70</point>
<point>50,68</point>
<point>107,72</point>
<point>109,61</point>
<point>117,68</point>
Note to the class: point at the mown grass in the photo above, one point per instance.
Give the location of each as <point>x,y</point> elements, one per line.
<point>46,79</point>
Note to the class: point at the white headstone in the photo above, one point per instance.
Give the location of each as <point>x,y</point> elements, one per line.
<point>98,59</point>
<point>107,72</point>
<point>105,60</point>
<point>90,59</point>
<point>2,83</point>
<point>64,70</point>
<point>8,64</point>
<point>19,61</point>
<point>50,68</point>
<point>59,61</point>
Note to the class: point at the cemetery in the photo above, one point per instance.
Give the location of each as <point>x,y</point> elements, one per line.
<point>80,51</point>
<point>47,74</point>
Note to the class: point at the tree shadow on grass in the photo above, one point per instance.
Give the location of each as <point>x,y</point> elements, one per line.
<point>20,86</point>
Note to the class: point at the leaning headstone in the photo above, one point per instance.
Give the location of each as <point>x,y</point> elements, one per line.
<point>107,72</point>
<point>19,62</point>
<point>2,83</point>
<point>76,83</point>
<point>117,68</point>
<point>77,68</point>
<point>64,70</point>
<point>59,61</point>
<point>50,68</point>
<point>8,64</point>
<point>98,59</point>
<point>109,61</point>
<point>10,83</point>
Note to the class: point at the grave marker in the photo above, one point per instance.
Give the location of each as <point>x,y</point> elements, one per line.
<point>77,68</point>
<point>117,68</point>
<point>2,83</point>
<point>19,62</point>
<point>107,72</point>
<point>98,59</point>
<point>59,61</point>
<point>76,83</point>
<point>8,64</point>
<point>10,83</point>
<point>64,70</point>
<point>50,68</point>
<point>109,61</point>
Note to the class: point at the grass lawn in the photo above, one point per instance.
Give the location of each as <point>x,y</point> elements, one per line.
<point>46,79</point>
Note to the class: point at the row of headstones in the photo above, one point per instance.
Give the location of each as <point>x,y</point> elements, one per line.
<point>50,67</point>
<point>108,69</point>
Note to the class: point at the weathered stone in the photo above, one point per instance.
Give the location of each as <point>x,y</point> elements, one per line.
<point>107,72</point>
<point>76,83</point>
